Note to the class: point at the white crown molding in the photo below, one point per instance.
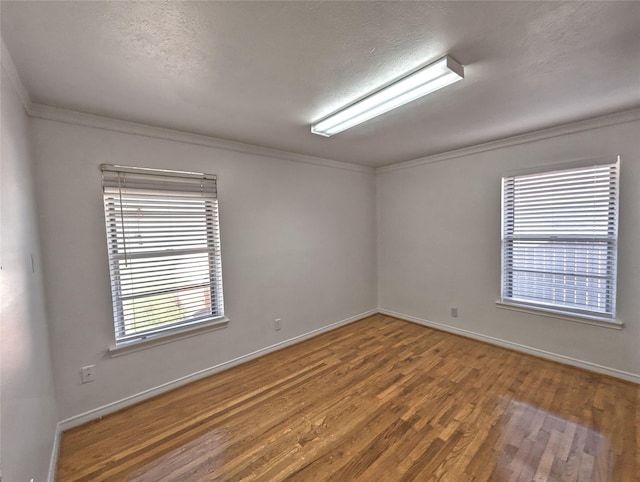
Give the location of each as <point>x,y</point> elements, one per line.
<point>60,114</point>
<point>622,117</point>
<point>99,412</point>
<point>12,73</point>
<point>557,357</point>
<point>68,116</point>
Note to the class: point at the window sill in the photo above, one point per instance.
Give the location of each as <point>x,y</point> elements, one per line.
<point>560,315</point>
<point>161,339</point>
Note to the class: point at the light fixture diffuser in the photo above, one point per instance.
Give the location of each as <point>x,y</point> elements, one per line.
<point>437,75</point>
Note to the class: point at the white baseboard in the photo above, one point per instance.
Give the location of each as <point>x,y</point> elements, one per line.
<point>53,463</point>
<point>152,392</point>
<point>567,360</point>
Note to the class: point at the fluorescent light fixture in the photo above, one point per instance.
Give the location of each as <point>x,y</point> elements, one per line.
<point>428,79</point>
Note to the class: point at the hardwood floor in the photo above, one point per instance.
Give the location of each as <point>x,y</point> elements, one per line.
<point>380,399</point>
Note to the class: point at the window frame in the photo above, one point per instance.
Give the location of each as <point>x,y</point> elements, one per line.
<point>607,319</point>
<point>162,332</point>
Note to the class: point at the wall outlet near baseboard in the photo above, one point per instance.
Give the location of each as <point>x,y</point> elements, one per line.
<point>277,324</point>
<point>454,312</point>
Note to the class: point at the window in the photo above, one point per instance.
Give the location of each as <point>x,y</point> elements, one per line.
<point>164,250</point>
<point>559,239</point>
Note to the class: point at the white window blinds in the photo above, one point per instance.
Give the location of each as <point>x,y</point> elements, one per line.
<point>559,239</point>
<point>163,239</point>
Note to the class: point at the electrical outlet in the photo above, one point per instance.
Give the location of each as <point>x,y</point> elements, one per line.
<point>88,374</point>
<point>277,324</point>
<point>454,312</point>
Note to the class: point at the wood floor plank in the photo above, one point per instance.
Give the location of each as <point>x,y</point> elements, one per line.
<point>379,399</point>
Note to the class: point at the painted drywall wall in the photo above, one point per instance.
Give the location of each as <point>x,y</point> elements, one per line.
<point>438,231</point>
<point>28,413</point>
<point>298,243</point>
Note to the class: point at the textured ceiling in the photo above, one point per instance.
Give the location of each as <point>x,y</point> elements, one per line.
<point>261,72</point>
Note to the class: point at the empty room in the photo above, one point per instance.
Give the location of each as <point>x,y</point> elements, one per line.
<point>308,240</point>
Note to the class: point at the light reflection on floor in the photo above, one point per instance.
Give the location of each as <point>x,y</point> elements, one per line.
<point>532,445</point>
<point>206,453</point>
<point>540,446</point>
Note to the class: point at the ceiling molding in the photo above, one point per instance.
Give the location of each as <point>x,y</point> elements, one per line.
<point>59,114</point>
<point>622,117</point>
<point>10,68</point>
<point>68,116</point>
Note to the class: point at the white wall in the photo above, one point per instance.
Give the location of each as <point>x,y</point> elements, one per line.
<point>298,243</point>
<point>27,406</point>
<point>439,246</point>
